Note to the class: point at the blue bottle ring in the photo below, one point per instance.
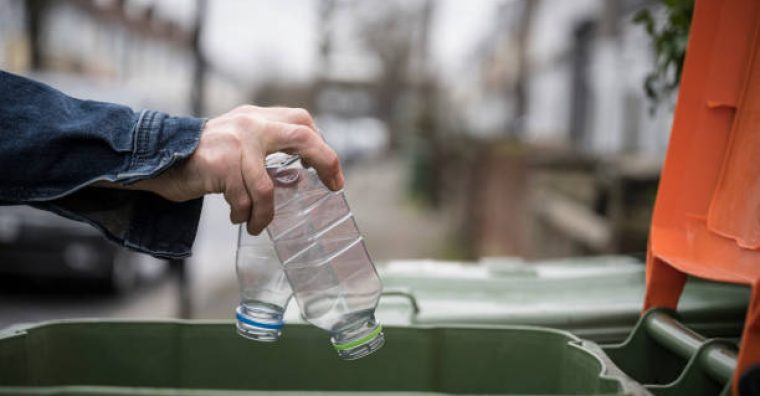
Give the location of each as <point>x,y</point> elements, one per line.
<point>270,326</point>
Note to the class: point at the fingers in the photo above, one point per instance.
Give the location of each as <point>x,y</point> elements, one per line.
<point>261,189</point>
<point>237,197</point>
<point>259,131</point>
<point>295,116</point>
<point>311,147</point>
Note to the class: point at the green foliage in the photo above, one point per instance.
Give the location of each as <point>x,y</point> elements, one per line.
<point>669,41</point>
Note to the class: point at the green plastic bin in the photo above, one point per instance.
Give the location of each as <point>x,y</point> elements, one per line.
<point>209,358</point>
<point>98,357</point>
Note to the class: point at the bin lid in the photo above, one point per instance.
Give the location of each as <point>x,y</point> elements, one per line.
<point>596,298</point>
<point>706,220</point>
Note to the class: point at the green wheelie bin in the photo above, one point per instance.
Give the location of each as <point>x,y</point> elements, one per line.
<point>208,358</point>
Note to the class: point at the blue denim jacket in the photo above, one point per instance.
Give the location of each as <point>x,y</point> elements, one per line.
<point>53,147</point>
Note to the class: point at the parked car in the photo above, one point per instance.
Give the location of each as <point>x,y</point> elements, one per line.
<point>42,245</point>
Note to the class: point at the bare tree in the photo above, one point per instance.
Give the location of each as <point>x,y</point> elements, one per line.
<point>35,11</point>
<point>199,62</point>
<point>524,25</point>
<point>396,31</point>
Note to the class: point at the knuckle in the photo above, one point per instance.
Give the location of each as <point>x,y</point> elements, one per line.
<point>242,202</point>
<point>301,136</point>
<point>264,187</point>
<point>241,120</point>
<point>301,116</point>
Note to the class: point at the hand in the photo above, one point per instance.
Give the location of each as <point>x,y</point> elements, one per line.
<point>230,160</point>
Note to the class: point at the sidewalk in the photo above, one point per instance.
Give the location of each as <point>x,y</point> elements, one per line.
<point>392,225</point>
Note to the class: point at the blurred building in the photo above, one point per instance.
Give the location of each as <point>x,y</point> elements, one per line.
<point>578,66</point>
<point>567,149</point>
<point>588,65</point>
<point>141,53</point>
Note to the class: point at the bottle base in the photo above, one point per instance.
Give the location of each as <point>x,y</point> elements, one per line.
<point>363,345</point>
<point>259,322</point>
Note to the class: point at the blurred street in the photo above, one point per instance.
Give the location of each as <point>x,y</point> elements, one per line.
<point>489,128</point>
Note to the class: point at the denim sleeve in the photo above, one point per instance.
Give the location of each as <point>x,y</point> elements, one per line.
<point>54,147</point>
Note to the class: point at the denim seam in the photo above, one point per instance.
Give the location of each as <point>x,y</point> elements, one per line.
<point>185,147</point>
<point>147,124</point>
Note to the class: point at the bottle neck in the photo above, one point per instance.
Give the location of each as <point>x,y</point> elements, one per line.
<point>259,321</point>
<point>359,341</point>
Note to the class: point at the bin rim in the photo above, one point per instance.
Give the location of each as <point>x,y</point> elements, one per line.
<point>608,371</point>
<point>20,328</point>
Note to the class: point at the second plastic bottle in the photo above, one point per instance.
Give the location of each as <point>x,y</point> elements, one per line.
<point>264,290</point>
<point>332,276</point>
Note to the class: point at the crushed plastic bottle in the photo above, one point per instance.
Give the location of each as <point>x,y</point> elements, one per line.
<point>319,245</point>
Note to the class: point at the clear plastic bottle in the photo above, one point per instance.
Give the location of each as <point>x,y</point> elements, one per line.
<point>332,276</point>
<point>264,289</point>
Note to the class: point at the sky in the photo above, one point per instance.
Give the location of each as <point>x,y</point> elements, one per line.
<point>257,38</point>
<point>263,39</point>
<point>458,27</point>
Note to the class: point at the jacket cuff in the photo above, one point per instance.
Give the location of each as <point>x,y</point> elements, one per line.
<point>141,220</point>
<point>160,140</point>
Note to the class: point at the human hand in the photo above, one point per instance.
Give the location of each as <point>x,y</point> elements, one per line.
<point>230,160</point>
